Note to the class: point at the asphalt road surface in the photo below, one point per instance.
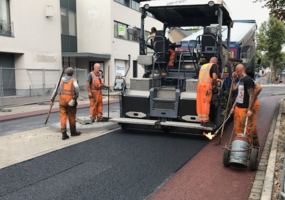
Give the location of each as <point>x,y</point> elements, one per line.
<point>119,165</point>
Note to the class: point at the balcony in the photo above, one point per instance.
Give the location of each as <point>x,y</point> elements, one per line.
<point>6,28</point>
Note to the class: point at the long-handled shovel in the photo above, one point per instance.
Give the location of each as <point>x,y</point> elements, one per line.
<point>229,99</point>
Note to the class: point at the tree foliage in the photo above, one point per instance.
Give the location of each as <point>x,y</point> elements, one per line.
<point>265,61</point>
<point>270,38</point>
<point>276,8</point>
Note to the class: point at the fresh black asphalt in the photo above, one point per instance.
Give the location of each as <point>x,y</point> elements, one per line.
<point>120,165</point>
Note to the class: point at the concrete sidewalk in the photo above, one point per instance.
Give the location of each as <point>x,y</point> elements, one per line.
<point>35,109</point>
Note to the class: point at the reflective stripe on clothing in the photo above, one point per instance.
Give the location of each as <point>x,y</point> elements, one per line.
<point>204,97</point>
<point>204,74</point>
<point>67,88</point>
<point>204,93</point>
<point>96,104</point>
<point>96,81</point>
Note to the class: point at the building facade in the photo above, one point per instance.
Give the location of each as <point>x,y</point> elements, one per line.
<point>49,34</point>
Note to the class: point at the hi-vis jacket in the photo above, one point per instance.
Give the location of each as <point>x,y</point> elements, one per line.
<point>97,81</point>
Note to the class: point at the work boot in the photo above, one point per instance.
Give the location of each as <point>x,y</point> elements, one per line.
<point>76,133</point>
<point>100,119</point>
<point>93,118</point>
<point>64,136</point>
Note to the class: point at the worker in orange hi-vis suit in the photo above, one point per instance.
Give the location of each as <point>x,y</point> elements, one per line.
<point>172,56</point>
<point>207,78</point>
<point>255,108</point>
<point>171,48</point>
<point>94,85</point>
<point>68,90</point>
<point>243,106</point>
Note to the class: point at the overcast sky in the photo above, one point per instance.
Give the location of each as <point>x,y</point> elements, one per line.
<point>245,9</point>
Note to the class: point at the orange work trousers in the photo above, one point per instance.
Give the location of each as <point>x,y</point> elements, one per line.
<point>96,104</point>
<point>203,101</point>
<point>65,112</point>
<point>255,109</point>
<point>239,122</point>
<point>171,58</point>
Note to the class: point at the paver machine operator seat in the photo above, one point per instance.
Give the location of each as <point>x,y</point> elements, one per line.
<point>209,44</point>
<point>161,46</point>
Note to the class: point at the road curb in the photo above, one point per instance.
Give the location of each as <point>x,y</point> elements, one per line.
<point>101,126</point>
<point>262,187</point>
<point>45,111</point>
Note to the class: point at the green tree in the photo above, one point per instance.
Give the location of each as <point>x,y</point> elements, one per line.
<point>270,38</point>
<point>276,8</point>
<point>265,61</point>
<point>280,61</point>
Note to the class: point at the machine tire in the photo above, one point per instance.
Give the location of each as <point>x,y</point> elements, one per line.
<point>253,162</point>
<point>226,156</point>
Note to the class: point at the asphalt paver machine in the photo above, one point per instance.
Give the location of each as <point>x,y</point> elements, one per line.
<point>165,97</point>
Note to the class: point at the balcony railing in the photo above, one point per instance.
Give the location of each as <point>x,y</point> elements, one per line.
<point>6,28</point>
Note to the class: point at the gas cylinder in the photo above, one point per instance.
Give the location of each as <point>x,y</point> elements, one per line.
<point>238,157</point>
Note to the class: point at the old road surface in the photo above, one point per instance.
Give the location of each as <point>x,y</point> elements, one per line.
<point>132,165</point>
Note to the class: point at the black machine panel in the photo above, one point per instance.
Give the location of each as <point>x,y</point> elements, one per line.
<point>187,107</point>
<point>136,104</point>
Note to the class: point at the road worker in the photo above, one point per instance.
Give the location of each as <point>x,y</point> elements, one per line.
<point>68,90</point>
<point>207,79</point>
<point>171,48</point>
<point>255,107</point>
<point>94,85</point>
<point>243,106</point>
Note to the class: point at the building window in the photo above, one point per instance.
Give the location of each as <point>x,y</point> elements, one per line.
<point>68,25</point>
<point>64,21</point>
<point>132,4</point>
<point>120,31</point>
<point>68,22</point>
<point>4,10</point>
<point>6,25</point>
<point>72,23</point>
<point>135,5</point>
<point>124,2</point>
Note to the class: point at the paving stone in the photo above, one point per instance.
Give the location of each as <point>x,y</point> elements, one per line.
<point>260,173</point>
<point>254,196</point>
<point>262,160</point>
<point>257,184</point>
<point>259,177</point>
<point>255,190</point>
<point>261,167</point>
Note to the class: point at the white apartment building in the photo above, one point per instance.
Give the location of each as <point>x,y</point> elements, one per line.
<point>49,34</point>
